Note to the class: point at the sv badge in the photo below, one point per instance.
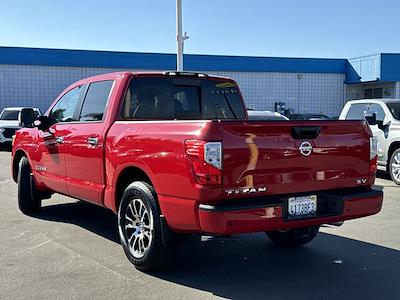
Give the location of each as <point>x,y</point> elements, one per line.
<point>361,181</point>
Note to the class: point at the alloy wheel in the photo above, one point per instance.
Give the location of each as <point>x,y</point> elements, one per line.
<point>396,166</point>
<point>138,228</point>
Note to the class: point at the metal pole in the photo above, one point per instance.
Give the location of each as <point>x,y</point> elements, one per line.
<point>179,37</point>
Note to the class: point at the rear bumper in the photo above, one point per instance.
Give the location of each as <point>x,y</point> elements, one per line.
<point>270,214</point>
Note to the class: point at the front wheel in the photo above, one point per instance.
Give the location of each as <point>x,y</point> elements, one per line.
<point>139,227</point>
<point>293,237</point>
<point>394,167</point>
<point>28,199</point>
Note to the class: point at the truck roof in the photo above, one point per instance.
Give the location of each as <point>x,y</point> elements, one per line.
<point>18,108</point>
<point>374,100</point>
<point>163,73</point>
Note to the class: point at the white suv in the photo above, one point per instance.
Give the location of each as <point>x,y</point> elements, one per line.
<point>387,129</point>
<point>9,123</point>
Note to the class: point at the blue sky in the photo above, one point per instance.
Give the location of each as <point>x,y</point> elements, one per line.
<point>305,28</point>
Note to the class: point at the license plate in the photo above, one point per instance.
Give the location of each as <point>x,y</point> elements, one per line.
<point>300,207</point>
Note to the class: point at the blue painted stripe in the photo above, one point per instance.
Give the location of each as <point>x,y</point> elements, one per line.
<point>163,61</point>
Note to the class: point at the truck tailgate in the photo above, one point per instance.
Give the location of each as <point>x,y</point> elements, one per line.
<point>275,157</point>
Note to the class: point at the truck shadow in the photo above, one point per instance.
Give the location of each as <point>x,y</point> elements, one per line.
<point>94,218</point>
<point>251,267</point>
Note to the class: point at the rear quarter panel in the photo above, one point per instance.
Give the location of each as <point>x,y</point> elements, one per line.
<point>157,147</point>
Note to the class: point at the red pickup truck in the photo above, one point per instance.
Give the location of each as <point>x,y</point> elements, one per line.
<point>173,153</point>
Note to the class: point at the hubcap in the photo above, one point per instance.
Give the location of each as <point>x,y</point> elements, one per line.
<point>138,228</point>
<point>396,167</point>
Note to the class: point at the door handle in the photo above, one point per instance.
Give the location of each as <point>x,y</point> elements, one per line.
<point>59,139</point>
<point>93,141</point>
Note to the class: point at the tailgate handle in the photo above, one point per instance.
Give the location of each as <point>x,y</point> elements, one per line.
<point>305,132</point>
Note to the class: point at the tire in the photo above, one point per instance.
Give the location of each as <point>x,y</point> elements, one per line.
<point>140,228</point>
<point>293,237</point>
<point>28,199</point>
<point>394,166</point>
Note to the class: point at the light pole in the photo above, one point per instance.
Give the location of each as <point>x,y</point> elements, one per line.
<point>179,37</point>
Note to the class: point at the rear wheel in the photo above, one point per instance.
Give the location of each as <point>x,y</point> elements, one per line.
<point>293,237</point>
<point>28,199</point>
<point>394,167</point>
<point>140,230</point>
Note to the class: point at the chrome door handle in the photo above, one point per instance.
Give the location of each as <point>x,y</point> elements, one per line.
<point>59,140</point>
<point>93,141</point>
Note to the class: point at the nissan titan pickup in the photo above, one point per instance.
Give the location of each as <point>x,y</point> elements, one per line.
<point>174,153</point>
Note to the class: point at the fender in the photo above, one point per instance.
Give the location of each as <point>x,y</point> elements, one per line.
<point>113,176</point>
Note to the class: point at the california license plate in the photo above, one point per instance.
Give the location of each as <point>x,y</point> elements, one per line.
<point>300,207</point>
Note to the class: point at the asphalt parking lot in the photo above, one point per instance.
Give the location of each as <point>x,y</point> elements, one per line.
<point>71,251</point>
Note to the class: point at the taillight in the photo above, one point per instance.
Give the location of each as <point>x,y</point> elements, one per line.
<point>206,158</point>
<point>373,154</point>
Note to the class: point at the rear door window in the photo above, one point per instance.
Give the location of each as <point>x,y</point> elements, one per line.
<point>394,108</point>
<point>95,101</point>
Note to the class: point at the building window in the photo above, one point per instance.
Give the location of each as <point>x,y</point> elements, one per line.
<point>375,93</point>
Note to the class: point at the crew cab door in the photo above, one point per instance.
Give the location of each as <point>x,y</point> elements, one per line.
<point>84,159</point>
<point>51,143</point>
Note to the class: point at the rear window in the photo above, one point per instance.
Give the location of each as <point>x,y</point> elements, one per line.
<point>162,98</point>
<point>9,115</point>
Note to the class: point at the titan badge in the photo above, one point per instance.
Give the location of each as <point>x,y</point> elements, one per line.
<point>246,190</point>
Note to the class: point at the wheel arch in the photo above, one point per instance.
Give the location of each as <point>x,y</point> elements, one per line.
<point>393,147</point>
<point>125,177</point>
<point>15,163</point>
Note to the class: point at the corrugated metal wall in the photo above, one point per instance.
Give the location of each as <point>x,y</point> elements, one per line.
<point>27,85</point>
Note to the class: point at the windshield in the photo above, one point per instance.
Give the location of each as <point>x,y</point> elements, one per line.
<point>9,115</point>
<point>394,109</point>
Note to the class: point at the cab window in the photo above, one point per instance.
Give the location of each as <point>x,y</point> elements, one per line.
<point>96,100</point>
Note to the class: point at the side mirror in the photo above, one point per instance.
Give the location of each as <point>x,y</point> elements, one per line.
<point>26,117</point>
<point>386,122</point>
<point>43,123</point>
<point>371,118</point>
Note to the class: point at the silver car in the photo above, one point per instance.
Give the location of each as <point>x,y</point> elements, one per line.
<point>265,115</point>
<point>387,129</point>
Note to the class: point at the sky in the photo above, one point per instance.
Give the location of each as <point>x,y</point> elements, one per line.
<point>284,28</point>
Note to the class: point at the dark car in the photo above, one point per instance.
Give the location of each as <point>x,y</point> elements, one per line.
<point>310,117</point>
